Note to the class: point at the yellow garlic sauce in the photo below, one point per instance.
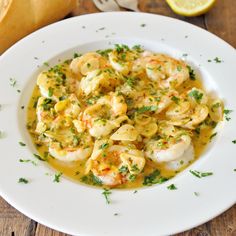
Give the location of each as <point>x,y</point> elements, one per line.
<point>75,170</point>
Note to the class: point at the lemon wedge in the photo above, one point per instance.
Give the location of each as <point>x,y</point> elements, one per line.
<point>190,7</point>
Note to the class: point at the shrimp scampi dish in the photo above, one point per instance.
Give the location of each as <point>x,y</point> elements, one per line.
<point>121,117</point>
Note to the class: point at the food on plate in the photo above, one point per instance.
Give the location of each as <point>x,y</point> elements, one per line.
<point>121,117</point>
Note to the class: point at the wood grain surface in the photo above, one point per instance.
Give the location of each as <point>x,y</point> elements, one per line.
<point>221,20</point>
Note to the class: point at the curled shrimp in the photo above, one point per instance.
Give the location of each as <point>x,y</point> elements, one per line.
<point>115,164</point>
<point>175,152</point>
<point>107,114</point>
<point>189,111</point>
<point>122,60</point>
<point>115,102</point>
<point>48,85</point>
<point>157,103</point>
<point>69,154</point>
<point>88,62</point>
<point>99,80</point>
<point>45,114</point>
<point>170,73</point>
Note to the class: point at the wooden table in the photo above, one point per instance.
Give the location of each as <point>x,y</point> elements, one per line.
<point>221,20</point>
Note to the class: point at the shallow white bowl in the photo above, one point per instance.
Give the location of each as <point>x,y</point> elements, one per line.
<point>81,210</point>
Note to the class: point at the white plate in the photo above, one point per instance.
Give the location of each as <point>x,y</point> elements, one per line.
<point>82,210</point>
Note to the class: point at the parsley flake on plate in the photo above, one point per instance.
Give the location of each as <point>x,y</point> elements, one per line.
<point>172,187</point>
<point>199,174</point>
<point>106,193</point>
<point>22,144</point>
<point>23,180</point>
<point>57,177</point>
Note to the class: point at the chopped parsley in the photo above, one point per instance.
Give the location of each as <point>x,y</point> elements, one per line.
<point>22,144</point>
<point>123,169</point>
<point>146,108</point>
<point>192,74</point>
<point>217,60</point>
<point>132,178</point>
<point>57,177</point>
<point>121,48</point>
<point>91,179</point>
<point>226,113</point>
<point>104,146</point>
<point>175,99</point>
<point>77,55</point>
<point>38,157</point>
<point>88,65</point>
<point>234,141</point>
<point>106,193</point>
<point>92,100</point>
<point>50,91</point>
<point>47,104</point>
<point>214,106</point>
<point>104,53</point>
<point>134,168</point>
<point>13,82</point>
<point>102,28</point>
<point>196,95</point>
<point>46,64</point>
<point>143,25</point>
<point>196,194</point>
<point>137,48</point>
<point>75,140</point>
<point>23,181</point>
<point>135,191</point>
<point>179,68</point>
<point>199,174</point>
<point>131,81</point>
<point>172,187</point>
<point>213,135</point>
<point>152,178</point>
<point>27,161</point>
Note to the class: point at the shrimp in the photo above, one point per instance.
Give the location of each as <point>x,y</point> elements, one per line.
<point>179,111</point>
<point>189,110</point>
<point>115,102</point>
<point>121,60</point>
<point>99,80</point>
<point>107,114</point>
<point>197,96</point>
<point>45,114</point>
<point>87,63</point>
<point>50,86</point>
<point>69,107</point>
<point>199,115</point>
<point>216,110</point>
<point>170,73</point>
<point>171,151</point>
<point>69,154</point>
<point>125,133</point>
<point>187,118</point>
<point>114,164</point>
<point>158,103</point>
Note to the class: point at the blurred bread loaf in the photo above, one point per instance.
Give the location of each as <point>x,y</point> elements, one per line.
<point>21,17</point>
